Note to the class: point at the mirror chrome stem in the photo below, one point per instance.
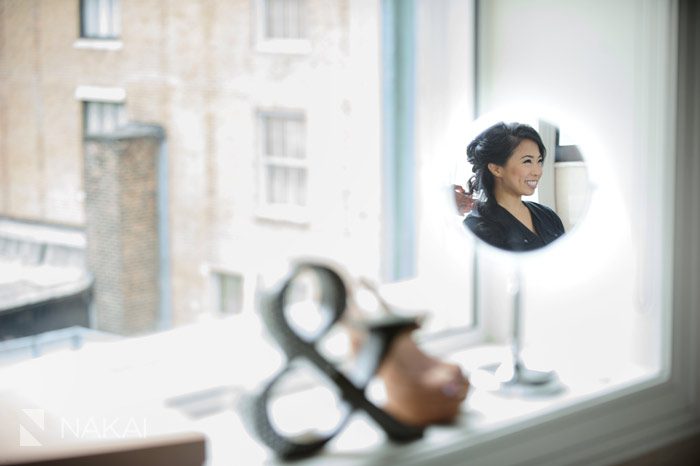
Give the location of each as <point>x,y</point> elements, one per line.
<point>512,377</point>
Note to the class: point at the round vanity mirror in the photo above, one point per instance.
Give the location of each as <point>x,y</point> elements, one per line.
<point>521,184</point>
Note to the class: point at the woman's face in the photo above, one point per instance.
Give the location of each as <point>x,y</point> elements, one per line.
<point>522,171</point>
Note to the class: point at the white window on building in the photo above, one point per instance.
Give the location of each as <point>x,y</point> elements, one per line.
<point>228,290</point>
<point>284,19</point>
<point>100,19</point>
<point>103,117</point>
<point>283,159</point>
<point>282,27</point>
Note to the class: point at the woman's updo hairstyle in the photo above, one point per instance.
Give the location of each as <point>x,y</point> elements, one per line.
<point>495,145</point>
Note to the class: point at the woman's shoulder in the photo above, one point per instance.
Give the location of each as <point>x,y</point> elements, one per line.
<point>485,227</point>
<point>540,208</point>
<point>544,211</point>
<point>478,217</point>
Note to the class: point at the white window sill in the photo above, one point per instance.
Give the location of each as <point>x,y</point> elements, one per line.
<point>283,214</point>
<point>98,44</point>
<point>208,381</point>
<point>115,95</point>
<point>487,418</point>
<point>284,46</point>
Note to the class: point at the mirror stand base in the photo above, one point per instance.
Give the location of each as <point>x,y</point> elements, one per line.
<point>516,381</point>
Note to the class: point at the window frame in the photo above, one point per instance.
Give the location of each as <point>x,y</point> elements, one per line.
<point>641,416</point>
<point>277,45</point>
<point>410,121</point>
<point>121,115</point>
<point>86,94</point>
<point>289,212</point>
<point>218,276</point>
<point>645,413</point>
<point>112,16</point>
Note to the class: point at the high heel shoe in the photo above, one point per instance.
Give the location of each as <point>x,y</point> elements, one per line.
<point>299,311</point>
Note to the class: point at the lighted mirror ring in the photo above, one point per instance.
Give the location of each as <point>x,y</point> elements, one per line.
<point>541,176</point>
<point>494,143</point>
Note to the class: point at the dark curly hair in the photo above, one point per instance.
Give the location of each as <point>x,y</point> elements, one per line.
<point>495,145</point>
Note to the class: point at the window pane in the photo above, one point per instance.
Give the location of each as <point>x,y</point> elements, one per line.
<point>89,118</point>
<point>284,139</point>
<point>103,25</point>
<point>86,14</point>
<point>269,184</point>
<point>116,18</point>
<point>295,138</point>
<point>274,136</point>
<point>277,185</point>
<point>109,118</point>
<point>294,19</point>
<point>283,19</point>
<point>103,117</point>
<point>275,22</point>
<point>279,138</point>
<point>280,188</point>
<point>298,186</point>
<point>285,29</point>
<point>266,135</point>
<point>100,18</point>
<point>121,115</point>
<point>230,293</point>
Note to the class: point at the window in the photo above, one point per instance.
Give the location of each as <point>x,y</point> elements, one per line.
<point>100,19</point>
<point>102,117</point>
<point>229,293</point>
<point>284,19</point>
<point>281,27</point>
<point>283,159</point>
<point>574,295</point>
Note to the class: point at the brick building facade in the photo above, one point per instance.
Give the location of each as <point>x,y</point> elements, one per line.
<point>271,121</point>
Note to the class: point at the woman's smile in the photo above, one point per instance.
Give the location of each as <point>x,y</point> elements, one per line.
<point>522,172</point>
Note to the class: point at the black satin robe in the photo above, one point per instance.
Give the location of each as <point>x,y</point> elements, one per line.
<point>498,227</point>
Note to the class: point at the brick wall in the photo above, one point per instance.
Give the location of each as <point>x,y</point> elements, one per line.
<point>121,200</point>
<point>196,69</point>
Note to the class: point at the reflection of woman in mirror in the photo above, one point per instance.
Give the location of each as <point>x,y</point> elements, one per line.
<point>507,165</point>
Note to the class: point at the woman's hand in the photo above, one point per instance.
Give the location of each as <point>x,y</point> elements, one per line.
<point>463,200</point>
